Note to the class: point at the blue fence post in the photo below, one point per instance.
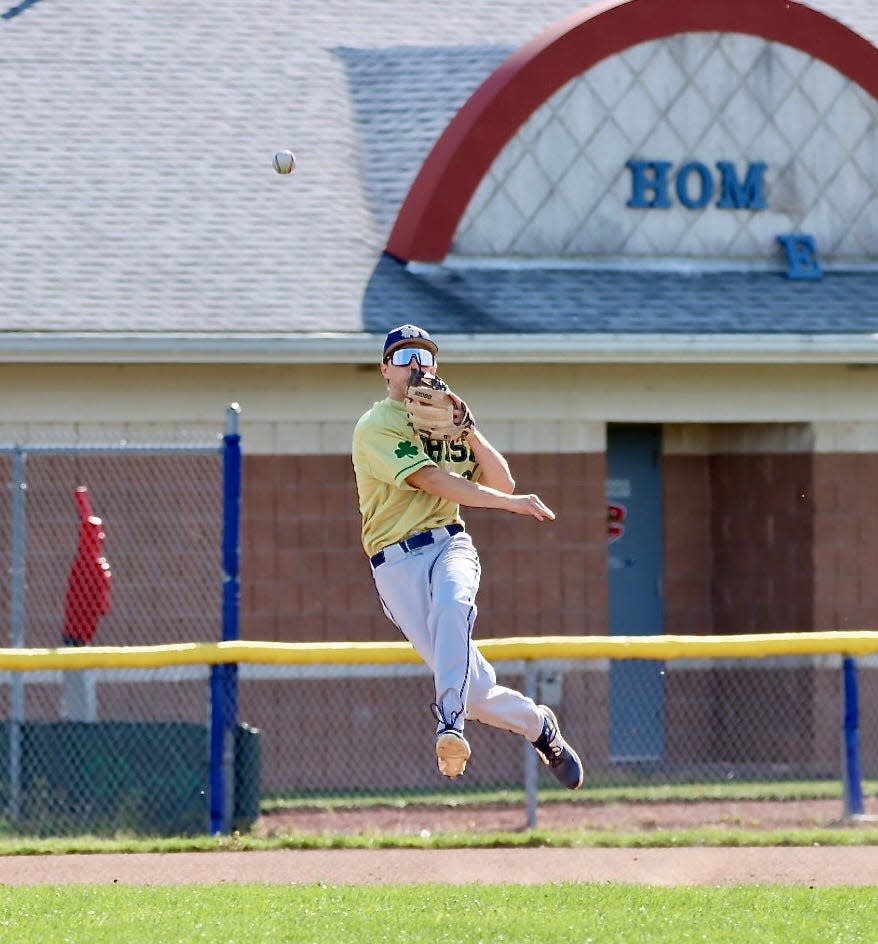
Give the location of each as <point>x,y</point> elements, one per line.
<point>224,678</point>
<point>853,785</point>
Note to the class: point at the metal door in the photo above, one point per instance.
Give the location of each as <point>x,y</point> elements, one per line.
<point>635,567</point>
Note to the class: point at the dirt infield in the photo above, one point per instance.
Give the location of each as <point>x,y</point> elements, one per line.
<point>814,865</point>
<point>824,865</point>
<point>577,816</point>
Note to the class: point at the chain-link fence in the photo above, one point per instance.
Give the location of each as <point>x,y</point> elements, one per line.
<point>366,730</point>
<point>355,731</point>
<point>111,545</point>
<point>121,545</point>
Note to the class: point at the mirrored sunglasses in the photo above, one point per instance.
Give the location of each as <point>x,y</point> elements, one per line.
<point>402,357</point>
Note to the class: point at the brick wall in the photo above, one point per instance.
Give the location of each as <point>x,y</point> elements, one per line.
<point>546,578</point>
<point>304,576</point>
<point>770,543</point>
<point>845,542</point>
<point>688,544</point>
<point>762,521</point>
<point>739,537</point>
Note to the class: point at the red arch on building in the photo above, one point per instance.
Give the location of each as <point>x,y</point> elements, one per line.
<point>475,136</point>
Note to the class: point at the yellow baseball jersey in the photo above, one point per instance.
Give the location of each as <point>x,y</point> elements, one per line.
<point>385,451</point>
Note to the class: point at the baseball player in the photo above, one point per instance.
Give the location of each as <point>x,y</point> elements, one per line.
<point>413,474</point>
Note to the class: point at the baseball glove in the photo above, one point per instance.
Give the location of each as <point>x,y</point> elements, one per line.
<point>434,411</point>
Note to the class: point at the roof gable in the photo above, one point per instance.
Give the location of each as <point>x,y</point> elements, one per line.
<point>461,157</point>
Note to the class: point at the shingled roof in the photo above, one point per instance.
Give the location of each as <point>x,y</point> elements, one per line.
<point>140,211</point>
<point>609,301</point>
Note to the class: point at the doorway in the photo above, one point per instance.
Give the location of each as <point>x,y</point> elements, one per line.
<point>635,571</point>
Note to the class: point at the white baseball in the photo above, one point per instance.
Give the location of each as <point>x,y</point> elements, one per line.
<point>284,162</point>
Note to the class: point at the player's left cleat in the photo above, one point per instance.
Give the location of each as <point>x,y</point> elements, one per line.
<point>452,752</point>
<point>553,750</point>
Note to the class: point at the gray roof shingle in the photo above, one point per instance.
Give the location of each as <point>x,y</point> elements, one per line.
<point>579,300</point>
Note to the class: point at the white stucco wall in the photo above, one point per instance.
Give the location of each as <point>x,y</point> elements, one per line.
<point>309,409</point>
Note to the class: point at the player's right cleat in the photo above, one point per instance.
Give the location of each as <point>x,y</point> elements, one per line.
<point>452,752</point>
<point>553,750</point>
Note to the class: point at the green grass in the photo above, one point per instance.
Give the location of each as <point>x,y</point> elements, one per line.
<point>468,914</point>
<point>718,790</point>
<point>863,834</point>
<point>707,836</point>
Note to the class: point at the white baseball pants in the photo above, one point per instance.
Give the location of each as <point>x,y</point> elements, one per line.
<point>430,595</point>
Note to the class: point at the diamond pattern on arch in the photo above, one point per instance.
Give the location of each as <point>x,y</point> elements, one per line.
<point>560,186</point>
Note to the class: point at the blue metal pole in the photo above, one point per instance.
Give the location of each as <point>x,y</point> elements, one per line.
<point>224,678</point>
<point>853,785</point>
<point>217,787</point>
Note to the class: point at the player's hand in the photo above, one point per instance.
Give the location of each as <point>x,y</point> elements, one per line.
<point>531,505</point>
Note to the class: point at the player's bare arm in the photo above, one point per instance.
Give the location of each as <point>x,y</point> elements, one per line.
<point>462,491</point>
<point>495,469</point>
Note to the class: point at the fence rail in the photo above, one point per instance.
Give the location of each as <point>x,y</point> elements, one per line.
<point>528,648</point>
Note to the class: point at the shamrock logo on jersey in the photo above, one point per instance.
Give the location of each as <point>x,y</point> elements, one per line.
<point>404,449</point>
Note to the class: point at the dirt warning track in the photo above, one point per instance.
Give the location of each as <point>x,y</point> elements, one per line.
<point>822,865</point>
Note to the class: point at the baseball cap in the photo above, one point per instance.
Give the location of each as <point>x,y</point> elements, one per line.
<point>408,335</point>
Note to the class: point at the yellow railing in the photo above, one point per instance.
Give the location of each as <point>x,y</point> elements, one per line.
<point>855,643</point>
